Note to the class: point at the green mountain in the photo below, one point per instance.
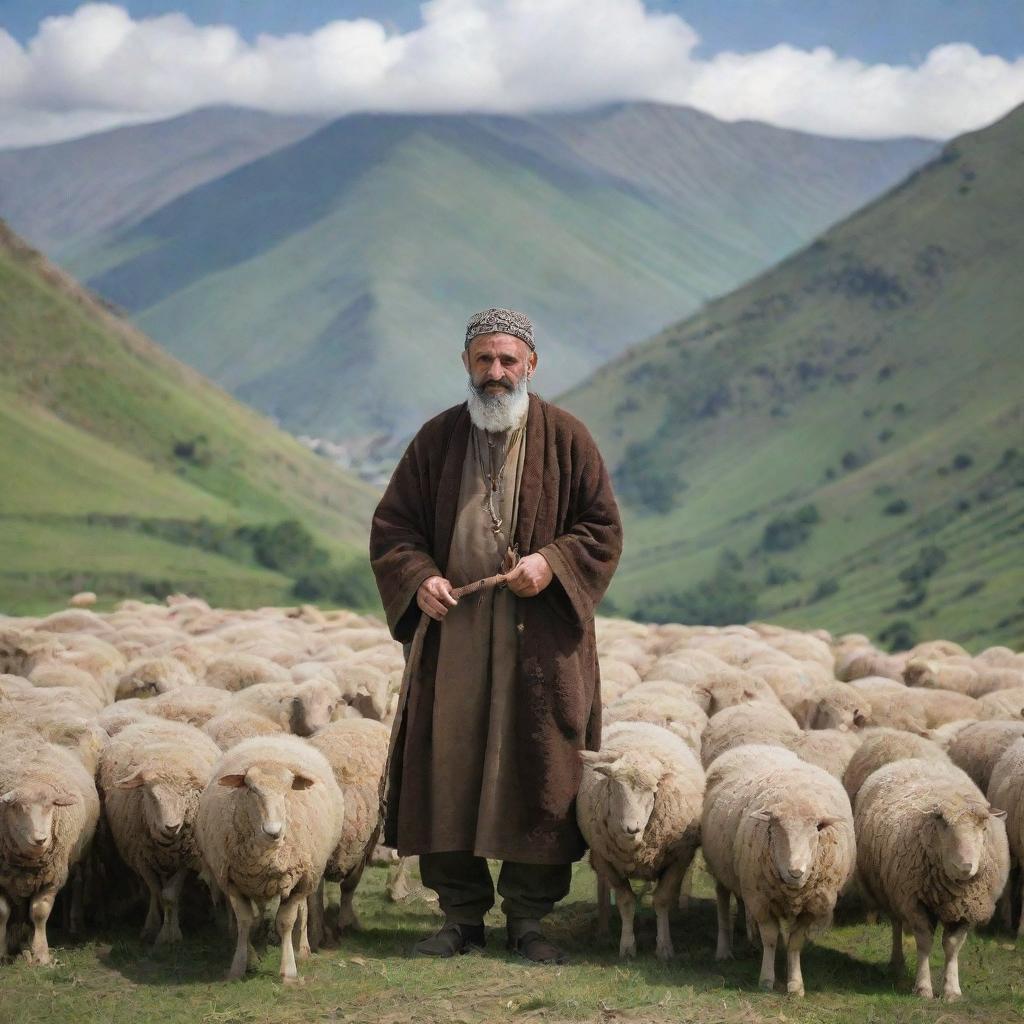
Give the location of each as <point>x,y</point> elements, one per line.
<point>60,194</point>
<point>328,282</point>
<point>128,473</point>
<point>840,442</point>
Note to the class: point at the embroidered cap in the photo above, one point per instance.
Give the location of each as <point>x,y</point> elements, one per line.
<point>504,321</point>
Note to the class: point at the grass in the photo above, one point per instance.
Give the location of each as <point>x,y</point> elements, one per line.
<point>114,979</point>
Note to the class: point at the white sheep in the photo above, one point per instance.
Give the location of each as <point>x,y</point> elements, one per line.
<point>49,808</point>
<point>930,849</point>
<point>151,775</point>
<point>778,834</point>
<point>356,750</point>
<point>884,746</point>
<point>300,708</point>
<point>236,724</point>
<point>268,822</point>
<point>638,808</point>
<point>1006,791</point>
<point>747,723</point>
<point>977,747</point>
<point>666,704</point>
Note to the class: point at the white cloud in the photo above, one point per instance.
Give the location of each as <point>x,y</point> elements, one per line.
<point>99,66</point>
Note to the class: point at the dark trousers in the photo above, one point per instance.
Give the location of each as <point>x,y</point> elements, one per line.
<point>465,890</point>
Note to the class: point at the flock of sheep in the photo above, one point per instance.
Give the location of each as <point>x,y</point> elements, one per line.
<point>247,747</point>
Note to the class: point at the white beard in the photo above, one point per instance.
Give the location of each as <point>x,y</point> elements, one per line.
<point>500,412</point>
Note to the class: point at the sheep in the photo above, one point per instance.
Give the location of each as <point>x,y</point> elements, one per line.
<point>880,747</point>
<point>49,809</point>
<point>666,704</point>
<point>151,775</point>
<point>747,723</point>
<point>118,716</point>
<point>236,724</point>
<point>1005,704</point>
<point>301,709</point>
<point>59,674</point>
<point>638,808</point>
<point>268,822</point>
<point>829,749</point>
<point>66,727</point>
<point>239,671</point>
<point>1006,791</point>
<point>778,834</point>
<point>977,747</point>
<point>356,750</point>
<point>828,706</point>
<point>729,687</point>
<point>930,849</point>
<point>192,705</point>
<point>867,661</point>
<point>145,677</point>
<point>83,599</point>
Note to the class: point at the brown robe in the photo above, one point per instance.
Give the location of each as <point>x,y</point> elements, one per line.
<point>567,511</point>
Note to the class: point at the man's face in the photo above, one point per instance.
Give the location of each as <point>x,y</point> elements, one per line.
<point>496,362</point>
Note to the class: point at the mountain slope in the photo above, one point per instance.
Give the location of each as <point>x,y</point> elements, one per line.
<point>56,195</point>
<point>839,442</point>
<point>120,465</point>
<point>328,283</point>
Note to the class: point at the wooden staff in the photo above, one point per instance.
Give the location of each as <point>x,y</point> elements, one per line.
<point>508,563</point>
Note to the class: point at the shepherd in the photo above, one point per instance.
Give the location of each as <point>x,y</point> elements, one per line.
<point>501,687</point>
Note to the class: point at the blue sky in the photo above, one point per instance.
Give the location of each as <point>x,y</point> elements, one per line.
<point>892,31</point>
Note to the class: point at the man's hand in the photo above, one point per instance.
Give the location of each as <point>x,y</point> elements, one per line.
<point>530,576</point>
<point>434,596</point>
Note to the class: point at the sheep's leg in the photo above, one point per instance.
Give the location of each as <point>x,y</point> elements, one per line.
<point>244,919</point>
<point>666,893</point>
<point>5,916</point>
<point>1020,922</point>
<point>287,913</point>
<point>896,958</point>
<point>924,937</point>
<point>399,885</point>
<point>686,888</point>
<point>723,898</point>
<point>39,911</point>
<point>300,933</point>
<point>953,937</point>
<point>348,920</point>
<point>151,928</point>
<point>315,915</point>
<point>795,943</point>
<point>76,916</point>
<point>604,908</point>
<point>170,900</point>
<point>769,929</point>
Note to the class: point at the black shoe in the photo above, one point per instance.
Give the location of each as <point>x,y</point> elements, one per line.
<point>532,946</point>
<point>452,939</point>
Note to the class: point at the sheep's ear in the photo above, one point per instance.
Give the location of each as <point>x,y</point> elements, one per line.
<point>8,797</point>
<point>829,819</point>
<point>302,782</point>
<point>996,813</point>
<point>131,781</point>
<point>65,800</point>
<point>234,781</point>
<point>761,815</point>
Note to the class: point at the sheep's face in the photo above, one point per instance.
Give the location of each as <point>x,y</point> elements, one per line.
<point>834,713</point>
<point>632,782</point>
<point>169,802</point>
<point>29,817</point>
<point>958,835</point>
<point>267,788</point>
<point>793,842</point>
<point>313,709</point>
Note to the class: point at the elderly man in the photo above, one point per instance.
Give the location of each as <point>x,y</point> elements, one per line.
<point>501,688</point>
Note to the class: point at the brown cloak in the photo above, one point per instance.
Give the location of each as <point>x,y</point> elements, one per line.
<point>566,510</point>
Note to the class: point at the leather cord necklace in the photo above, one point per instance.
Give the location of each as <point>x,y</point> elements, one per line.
<point>493,479</point>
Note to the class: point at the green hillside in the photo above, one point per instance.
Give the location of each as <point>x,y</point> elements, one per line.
<point>841,442</point>
<point>328,283</point>
<point>128,473</point>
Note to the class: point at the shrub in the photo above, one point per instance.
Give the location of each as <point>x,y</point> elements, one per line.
<point>286,546</point>
<point>930,560</point>
<point>785,533</point>
<point>642,481</point>
<point>962,461</point>
<point>350,585</point>
<point>825,588</point>
<point>778,575</point>
<point>898,507</point>
<point>899,635</point>
<point>725,597</point>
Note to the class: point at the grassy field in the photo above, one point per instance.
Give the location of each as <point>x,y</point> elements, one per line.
<point>114,979</point>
